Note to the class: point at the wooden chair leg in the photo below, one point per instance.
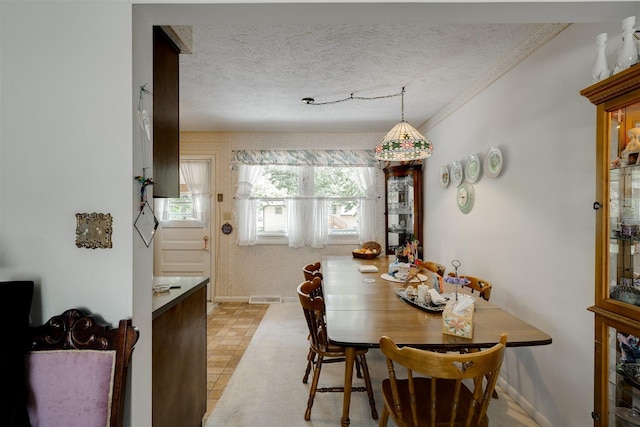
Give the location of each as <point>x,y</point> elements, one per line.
<point>358,373</point>
<point>314,386</point>
<point>367,380</point>
<point>310,359</point>
<point>384,418</point>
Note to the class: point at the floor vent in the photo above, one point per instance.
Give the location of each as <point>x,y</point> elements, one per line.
<point>264,300</point>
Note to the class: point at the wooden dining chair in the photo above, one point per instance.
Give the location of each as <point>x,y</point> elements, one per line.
<point>480,285</point>
<point>435,267</point>
<point>439,398</point>
<point>313,309</point>
<point>312,270</point>
<point>77,370</point>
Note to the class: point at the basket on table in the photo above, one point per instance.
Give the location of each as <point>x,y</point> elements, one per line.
<point>370,250</point>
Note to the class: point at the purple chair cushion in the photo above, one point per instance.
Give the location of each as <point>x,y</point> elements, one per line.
<point>71,388</point>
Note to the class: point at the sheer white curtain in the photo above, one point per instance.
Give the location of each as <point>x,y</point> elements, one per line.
<point>318,229</point>
<point>296,220</point>
<point>160,208</point>
<point>245,207</point>
<point>367,182</point>
<point>307,214</point>
<point>196,176</point>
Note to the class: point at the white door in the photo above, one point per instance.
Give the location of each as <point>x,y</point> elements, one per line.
<point>183,247</point>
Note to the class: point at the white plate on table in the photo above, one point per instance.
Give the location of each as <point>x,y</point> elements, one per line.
<point>418,279</point>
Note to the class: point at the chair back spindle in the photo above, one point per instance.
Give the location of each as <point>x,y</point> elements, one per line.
<point>440,394</point>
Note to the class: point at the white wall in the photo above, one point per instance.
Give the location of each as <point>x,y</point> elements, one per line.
<point>531,232</point>
<point>66,148</point>
<point>66,144</point>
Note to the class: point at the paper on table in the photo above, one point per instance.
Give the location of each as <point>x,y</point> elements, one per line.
<point>368,269</point>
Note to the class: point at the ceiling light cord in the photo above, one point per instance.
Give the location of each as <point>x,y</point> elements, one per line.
<point>402,97</point>
<point>311,101</point>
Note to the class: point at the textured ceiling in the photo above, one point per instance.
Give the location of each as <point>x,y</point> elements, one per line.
<point>252,64</point>
<point>254,77</point>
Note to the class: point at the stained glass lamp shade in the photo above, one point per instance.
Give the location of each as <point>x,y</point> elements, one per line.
<point>403,143</point>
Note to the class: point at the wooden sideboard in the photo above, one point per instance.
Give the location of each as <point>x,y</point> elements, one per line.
<point>179,351</point>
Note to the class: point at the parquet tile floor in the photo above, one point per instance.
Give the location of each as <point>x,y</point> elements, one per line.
<point>230,327</point>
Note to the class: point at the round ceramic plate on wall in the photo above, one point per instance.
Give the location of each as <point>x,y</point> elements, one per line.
<point>493,162</point>
<point>465,197</point>
<point>444,176</point>
<point>472,168</point>
<point>457,174</point>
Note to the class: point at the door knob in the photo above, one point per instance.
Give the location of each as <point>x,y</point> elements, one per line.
<point>206,243</point>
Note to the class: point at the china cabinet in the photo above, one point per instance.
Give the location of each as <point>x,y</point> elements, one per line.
<point>403,205</point>
<point>617,273</point>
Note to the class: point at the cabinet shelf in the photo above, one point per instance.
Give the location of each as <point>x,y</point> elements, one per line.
<point>633,239</point>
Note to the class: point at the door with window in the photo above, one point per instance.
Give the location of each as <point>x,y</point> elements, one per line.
<point>183,244</point>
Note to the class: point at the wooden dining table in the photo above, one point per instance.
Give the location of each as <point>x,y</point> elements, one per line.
<point>362,307</point>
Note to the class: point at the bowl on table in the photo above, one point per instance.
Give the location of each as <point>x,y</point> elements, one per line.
<point>369,250</point>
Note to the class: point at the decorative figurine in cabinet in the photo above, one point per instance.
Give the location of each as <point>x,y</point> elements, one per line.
<point>617,275</point>
<point>403,205</point>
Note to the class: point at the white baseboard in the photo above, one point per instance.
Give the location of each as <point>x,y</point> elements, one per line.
<point>526,406</point>
<point>246,299</point>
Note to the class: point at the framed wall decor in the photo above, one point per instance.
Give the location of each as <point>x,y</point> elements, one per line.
<point>93,230</point>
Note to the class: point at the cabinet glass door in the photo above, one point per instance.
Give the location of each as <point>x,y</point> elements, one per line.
<point>624,204</point>
<point>400,211</point>
<point>623,384</point>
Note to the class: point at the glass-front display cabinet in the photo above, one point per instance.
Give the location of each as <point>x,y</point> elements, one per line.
<point>617,275</point>
<point>403,205</point>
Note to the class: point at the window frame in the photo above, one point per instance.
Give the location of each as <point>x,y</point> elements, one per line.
<point>333,238</point>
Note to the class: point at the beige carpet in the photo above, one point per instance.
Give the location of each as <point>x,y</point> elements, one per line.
<point>266,388</point>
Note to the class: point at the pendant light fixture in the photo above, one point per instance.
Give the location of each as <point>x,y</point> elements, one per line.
<point>403,143</point>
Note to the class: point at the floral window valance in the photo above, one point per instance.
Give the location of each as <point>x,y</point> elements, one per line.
<point>362,158</point>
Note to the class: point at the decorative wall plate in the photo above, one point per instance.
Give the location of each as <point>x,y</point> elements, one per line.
<point>457,174</point>
<point>444,176</point>
<point>472,168</point>
<point>493,162</point>
<point>465,197</point>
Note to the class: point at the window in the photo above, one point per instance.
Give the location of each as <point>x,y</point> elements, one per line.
<point>305,197</point>
<point>193,203</point>
<point>180,209</point>
<point>336,186</point>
